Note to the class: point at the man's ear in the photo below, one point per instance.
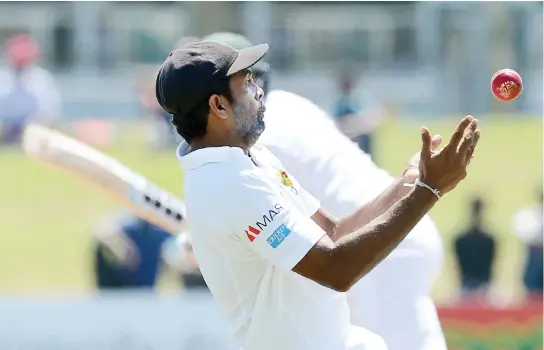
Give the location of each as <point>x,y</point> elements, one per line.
<point>218,106</point>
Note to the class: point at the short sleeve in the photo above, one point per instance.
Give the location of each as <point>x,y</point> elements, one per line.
<point>273,226</point>
<point>310,205</point>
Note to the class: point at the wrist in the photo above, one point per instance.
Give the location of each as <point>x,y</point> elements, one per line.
<point>425,195</point>
<point>410,175</point>
<point>429,186</point>
<point>432,184</point>
<point>410,168</point>
<point>406,182</point>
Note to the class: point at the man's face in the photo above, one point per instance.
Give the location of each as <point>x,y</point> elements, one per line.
<point>261,80</point>
<point>247,107</point>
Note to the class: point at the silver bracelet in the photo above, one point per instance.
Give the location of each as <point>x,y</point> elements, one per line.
<point>433,190</point>
<point>424,185</point>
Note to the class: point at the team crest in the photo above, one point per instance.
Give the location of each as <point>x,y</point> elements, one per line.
<point>286,181</point>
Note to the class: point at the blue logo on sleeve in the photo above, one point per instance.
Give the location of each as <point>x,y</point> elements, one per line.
<point>278,236</point>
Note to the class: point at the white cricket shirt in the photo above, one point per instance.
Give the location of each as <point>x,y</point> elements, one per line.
<point>250,225</point>
<point>331,167</point>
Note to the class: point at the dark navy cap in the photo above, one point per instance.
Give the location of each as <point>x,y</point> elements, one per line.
<point>191,73</point>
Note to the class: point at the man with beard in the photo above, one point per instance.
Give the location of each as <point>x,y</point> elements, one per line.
<point>273,259</point>
<point>393,300</point>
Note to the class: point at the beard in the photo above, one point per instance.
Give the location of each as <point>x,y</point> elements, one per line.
<point>249,126</point>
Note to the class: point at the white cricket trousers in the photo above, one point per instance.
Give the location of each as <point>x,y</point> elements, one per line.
<point>394,299</point>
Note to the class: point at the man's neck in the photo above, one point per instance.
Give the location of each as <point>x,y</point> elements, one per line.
<point>203,143</point>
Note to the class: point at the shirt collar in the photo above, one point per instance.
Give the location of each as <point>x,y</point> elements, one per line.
<point>195,159</point>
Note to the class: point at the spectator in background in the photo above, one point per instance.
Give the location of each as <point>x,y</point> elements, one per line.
<point>528,226</point>
<point>129,253</point>
<point>27,91</point>
<point>475,253</point>
<point>357,118</point>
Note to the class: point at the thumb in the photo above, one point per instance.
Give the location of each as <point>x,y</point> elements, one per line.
<point>425,143</point>
<point>435,142</point>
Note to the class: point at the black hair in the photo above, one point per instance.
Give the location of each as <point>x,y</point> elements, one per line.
<point>195,123</point>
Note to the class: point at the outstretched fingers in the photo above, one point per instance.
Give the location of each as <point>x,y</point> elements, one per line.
<point>470,153</point>
<point>435,142</point>
<point>468,140</point>
<point>460,131</point>
<point>425,143</point>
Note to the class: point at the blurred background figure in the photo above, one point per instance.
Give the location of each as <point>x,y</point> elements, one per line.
<point>130,252</point>
<point>177,253</point>
<point>475,252</point>
<point>127,252</point>
<point>356,115</point>
<point>528,226</point>
<point>27,91</point>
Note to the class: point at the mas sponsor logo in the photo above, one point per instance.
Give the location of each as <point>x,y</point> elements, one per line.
<point>278,236</point>
<point>254,230</point>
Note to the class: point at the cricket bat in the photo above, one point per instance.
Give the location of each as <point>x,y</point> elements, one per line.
<point>144,198</point>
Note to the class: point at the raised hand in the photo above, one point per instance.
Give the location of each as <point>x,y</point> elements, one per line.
<point>436,140</point>
<point>444,169</point>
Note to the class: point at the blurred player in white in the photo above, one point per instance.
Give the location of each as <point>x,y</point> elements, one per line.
<point>394,299</point>
<point>528,225</point>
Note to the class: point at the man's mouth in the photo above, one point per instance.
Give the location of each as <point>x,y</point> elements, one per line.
<point>260,112</point>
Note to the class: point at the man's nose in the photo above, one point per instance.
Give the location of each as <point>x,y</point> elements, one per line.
<point>260,93</point>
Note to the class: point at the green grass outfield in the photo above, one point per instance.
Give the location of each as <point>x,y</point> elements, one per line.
<point>47,216</point>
